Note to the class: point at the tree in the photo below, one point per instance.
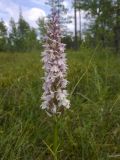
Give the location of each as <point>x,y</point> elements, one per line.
<point>68,41</point>
<point>75,20</point>
<point>23,30</point>
<point>116,26</point>
<point>3,36</point>
<point>80,27</point>
<point>13,36</point>
<point>22,37</point>
<point>41,27</point>
<point>104,27</point>
<point>31,40</point>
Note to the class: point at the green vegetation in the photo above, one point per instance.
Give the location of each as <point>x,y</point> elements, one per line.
<point>104,22</point>
<point>90,130</point>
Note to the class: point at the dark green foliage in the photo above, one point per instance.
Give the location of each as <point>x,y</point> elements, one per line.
<point>23,33</point>
<point>13,36</point>
<point>90,130</point>
<point>42,27</point>
<point>104,18</point>
<point>21,37</point>
<point>68,41</point>
<point>3,34</point>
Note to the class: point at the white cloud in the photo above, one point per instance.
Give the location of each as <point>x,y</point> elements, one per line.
<point>31,15</point>
<point>11,9</point>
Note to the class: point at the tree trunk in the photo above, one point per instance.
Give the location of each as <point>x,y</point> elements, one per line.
<point>75,17</point>
<point>117,27</point>
<point>80,28</point>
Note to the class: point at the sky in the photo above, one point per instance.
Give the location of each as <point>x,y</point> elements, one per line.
<point>31,10</point>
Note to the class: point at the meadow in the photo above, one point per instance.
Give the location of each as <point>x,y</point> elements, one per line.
<point>90,130</point>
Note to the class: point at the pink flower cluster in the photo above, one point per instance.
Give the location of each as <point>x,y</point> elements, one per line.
<point>55,95</point>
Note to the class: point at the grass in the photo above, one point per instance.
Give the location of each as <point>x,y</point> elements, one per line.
<point>90,130</point>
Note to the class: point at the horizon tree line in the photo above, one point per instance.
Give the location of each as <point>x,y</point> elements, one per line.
<point>103,28</point>
<point>104,23</point>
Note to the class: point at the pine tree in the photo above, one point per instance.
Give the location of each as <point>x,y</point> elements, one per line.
<point>104,21</point>
<point>13,36</point>
<point>23,31</point>
<point>3,36</point>
<point>116,25</point>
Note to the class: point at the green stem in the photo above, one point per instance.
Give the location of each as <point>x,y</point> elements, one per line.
<point>55,142</point>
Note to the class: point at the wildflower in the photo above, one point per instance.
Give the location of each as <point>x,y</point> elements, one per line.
<point>55,95</point>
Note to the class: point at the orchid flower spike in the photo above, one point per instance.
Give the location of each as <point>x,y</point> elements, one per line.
<point>55,96</point>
